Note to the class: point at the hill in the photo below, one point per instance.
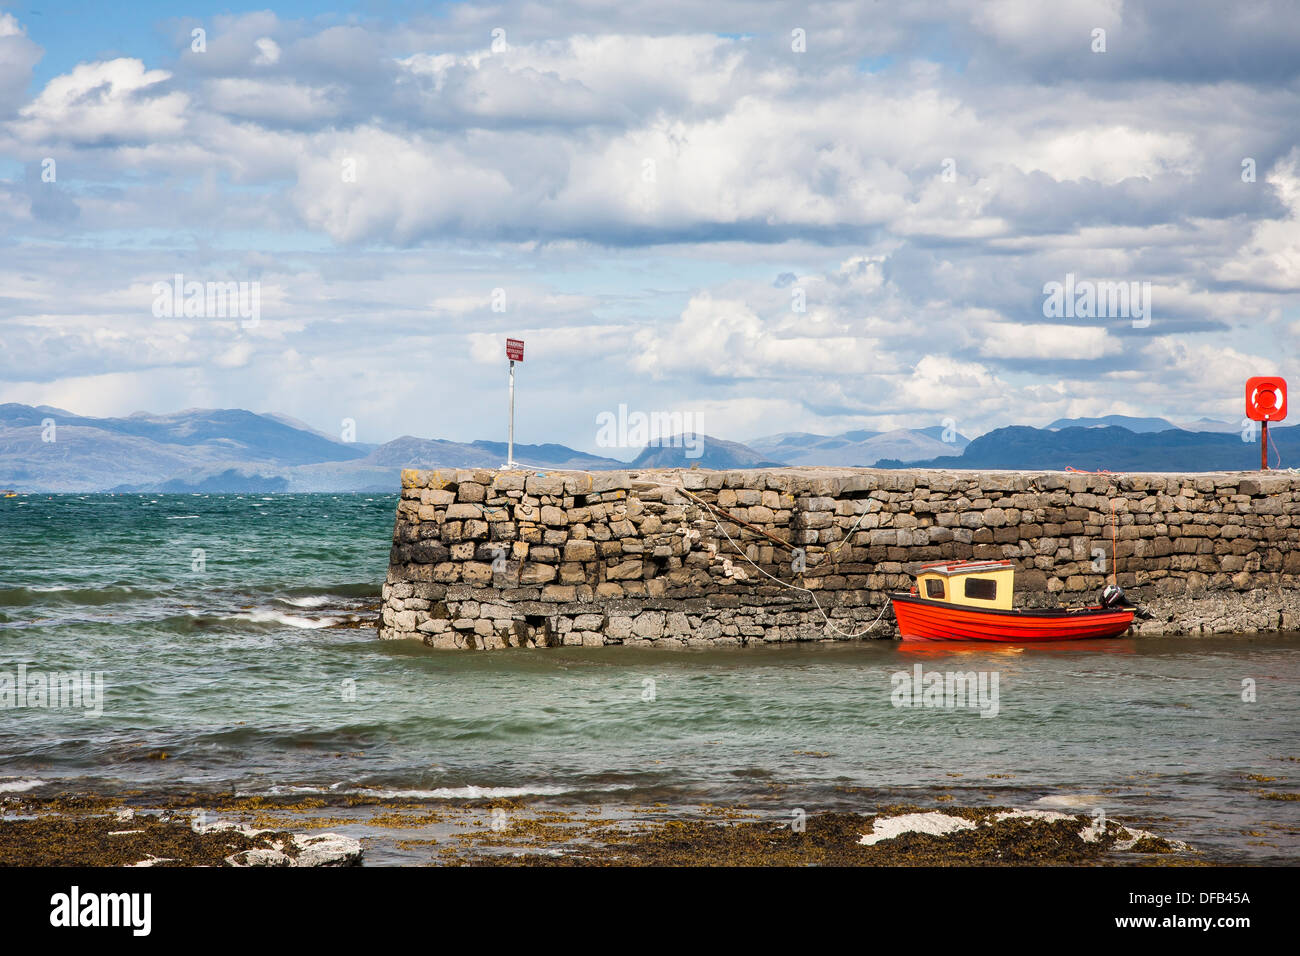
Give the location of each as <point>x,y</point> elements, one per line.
<point>715,453</point>
<point>863,448</point>
<point>228,450</point>
<point>1113,449</point>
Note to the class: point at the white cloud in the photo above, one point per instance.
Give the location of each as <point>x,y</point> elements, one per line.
<point>18,54</point>
<point>268,52</point>
<point>1061,343</point>
<point>1108,154</point>
<point>655,194</point>
<point>1039,27</point>
<point>722,337</point>
<point>1272,257</point>
<point>108,101</point>
<point>271,100</point>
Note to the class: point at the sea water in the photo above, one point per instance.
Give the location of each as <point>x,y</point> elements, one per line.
<point>233,639</point>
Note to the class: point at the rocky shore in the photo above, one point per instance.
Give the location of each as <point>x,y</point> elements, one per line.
<point>256,832</point>
<point>91,832</point>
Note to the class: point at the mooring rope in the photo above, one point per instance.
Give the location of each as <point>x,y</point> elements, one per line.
<point>785,584</point>
<point>1276,451</point>
<point>794,587</point>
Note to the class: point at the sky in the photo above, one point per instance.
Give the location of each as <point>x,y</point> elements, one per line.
<point>770,217</point>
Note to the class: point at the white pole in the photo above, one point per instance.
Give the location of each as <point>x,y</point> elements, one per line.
<point>510,453</point>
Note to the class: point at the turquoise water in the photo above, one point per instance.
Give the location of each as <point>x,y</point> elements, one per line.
<point>225,661</point>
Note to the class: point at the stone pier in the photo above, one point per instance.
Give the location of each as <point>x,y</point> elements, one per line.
<point>485,559</point>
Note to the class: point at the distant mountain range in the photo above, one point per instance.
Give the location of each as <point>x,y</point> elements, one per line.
<point>233,450</point>
<point>228,450</point>
<point>1111,448</point>
<point>1145,424</point>
<point>1121,421</point>
<point>859,447</point>
<point>709,452</point>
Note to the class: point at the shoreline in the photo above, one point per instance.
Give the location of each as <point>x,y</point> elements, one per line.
<point>104,831</point>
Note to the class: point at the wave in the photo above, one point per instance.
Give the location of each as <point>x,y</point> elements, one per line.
<point>20,785</point>
<point>304,596</point>
<point>437,793</point>
<point>289,620</point>
<point>482,793</point>
<point>69,594</point>
<point>195,621</point>
<point>280,790</point>
<point>314,600</point>
<point>1072,800</point>
<point>352,589</point>
<point>200,619</point>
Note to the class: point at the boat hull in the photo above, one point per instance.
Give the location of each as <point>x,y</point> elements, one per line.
<point>923,619</point>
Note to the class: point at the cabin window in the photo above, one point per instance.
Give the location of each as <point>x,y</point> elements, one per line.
<point>934,588</point>
<point>982,589</point>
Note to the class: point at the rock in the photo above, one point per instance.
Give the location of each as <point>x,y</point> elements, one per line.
<point>544,485</point>
<point>533,573</point>
<point>326,849</point>
<point>471,491</point>
<point>316,849</point>
<point>579,551</point>
<point>649,624</point>
<point>625,571</point>
<point>619,627</point>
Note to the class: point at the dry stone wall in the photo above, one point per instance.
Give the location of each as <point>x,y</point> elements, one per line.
<point>485,559</point>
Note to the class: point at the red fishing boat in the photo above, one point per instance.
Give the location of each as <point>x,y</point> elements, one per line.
<point>972,601</point>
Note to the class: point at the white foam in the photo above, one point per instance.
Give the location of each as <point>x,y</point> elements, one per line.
<point>289,620</point>
<point>474,793</point>
<point>1073,800</point>
<point>18,786</point>
<point>439,793</point>
<point>281,789</point>
<point>934,823</point>
<point>315,600</point>
<point>180,517</point>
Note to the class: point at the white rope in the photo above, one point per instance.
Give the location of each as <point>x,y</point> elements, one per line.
<point>784,584</point>
<point>794,587</point>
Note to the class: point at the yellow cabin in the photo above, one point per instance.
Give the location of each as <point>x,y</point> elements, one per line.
<point>984,584</point>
